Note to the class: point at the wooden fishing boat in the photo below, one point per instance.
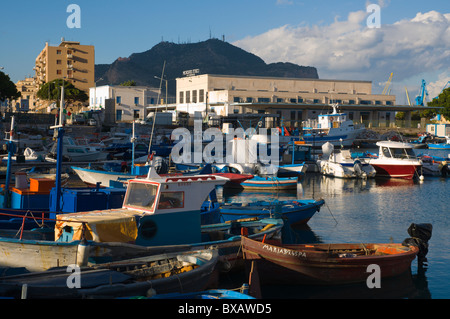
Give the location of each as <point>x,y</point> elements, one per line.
<point>291,211</point>
<point>177,272</point>
<point>326,264</point>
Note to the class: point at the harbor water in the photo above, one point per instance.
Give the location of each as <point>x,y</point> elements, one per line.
<point>372,211</point>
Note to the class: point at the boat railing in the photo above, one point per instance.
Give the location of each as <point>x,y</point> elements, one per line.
<point>42,219</point>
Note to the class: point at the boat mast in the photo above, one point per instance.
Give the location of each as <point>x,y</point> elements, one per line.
<point>59,151</point>
<point>11,150</point>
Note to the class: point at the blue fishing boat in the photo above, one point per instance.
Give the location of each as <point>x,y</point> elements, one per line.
<point>206,294</point>
<point>440,146</point>
<point>293,212</point>
<point>270,183</point>
<point>158,213</point>
<point>265,176</point>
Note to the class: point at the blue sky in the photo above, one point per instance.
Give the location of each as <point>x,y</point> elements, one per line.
<point>120,28</point>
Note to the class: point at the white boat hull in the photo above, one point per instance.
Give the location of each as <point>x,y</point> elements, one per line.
<point>92,177</point>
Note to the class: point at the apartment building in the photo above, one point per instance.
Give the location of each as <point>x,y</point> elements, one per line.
<point>131,102</point>
<point>69,60</point>
<point>28,99</point>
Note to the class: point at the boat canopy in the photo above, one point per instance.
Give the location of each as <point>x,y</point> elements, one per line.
<point>100,226</point>
<point>396,149</point>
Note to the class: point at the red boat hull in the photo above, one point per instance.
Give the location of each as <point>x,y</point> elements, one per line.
<point>396,171</point>
<point>235,179</point>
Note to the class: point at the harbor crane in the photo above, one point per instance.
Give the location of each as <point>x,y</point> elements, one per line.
<point>445,86</point>
<point>423,93</point>
<point>385,90</point>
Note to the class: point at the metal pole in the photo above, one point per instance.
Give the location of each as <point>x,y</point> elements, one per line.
<point>11,148</point>
<point>59,153</point>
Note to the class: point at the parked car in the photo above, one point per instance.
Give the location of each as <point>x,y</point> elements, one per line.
<point>79,119</point>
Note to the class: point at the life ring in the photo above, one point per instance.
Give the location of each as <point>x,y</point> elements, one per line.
<point>331,119</point>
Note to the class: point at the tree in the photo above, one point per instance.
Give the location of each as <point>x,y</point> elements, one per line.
<point>443,100</point>
<point>8,89</point>
<point>52,91</point>
<point>129,83</point>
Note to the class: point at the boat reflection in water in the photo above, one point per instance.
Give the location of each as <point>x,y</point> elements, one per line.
<point>405,286</point>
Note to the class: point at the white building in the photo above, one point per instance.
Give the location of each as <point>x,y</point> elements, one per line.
<point>131,102</point>
<point>292,99</point>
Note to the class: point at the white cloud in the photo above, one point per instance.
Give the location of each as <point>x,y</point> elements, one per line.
<point>348,49</point>
<point>435,88</point>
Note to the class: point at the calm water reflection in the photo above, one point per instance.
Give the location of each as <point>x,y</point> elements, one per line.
<point>375,210</point>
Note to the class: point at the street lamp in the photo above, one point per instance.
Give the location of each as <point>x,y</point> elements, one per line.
<point>166,87</point>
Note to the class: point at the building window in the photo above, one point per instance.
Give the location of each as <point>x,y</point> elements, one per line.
<point>194,96</point>
<point>58,61</point>
<point>118,115</point>
<point>293,100</point>
<point>59,72</point>
<point>249,100</point>
<point>316,101</point>
<point>388,103</point>
<point>377,102</point>
<point>201,96</point>
<point>58,51</point>
<point>263,100</point>
<point>150,100</point>
<point>118,99</point>
<point>188,96</point>
<point>300,100</point>
<point>136,100</point>
<point>181,97</point>
<point>351,101</point>
<point>365,102</point>
<point>236,99</point>
<point>136,114</point>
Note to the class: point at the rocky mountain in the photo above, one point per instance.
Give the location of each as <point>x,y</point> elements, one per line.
<point>210,57</point>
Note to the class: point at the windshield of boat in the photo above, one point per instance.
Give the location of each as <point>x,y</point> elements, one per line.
<point>141,195</point>
<point>403,153</point>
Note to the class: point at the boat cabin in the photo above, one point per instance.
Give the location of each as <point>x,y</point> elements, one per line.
<point>391,149</point>
<point>155,211</point>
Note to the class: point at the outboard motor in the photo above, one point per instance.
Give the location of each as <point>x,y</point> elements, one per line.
<point>420,235</point>
<point>327,149</point>
<point>358,169</point>
<point>445,170</point>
